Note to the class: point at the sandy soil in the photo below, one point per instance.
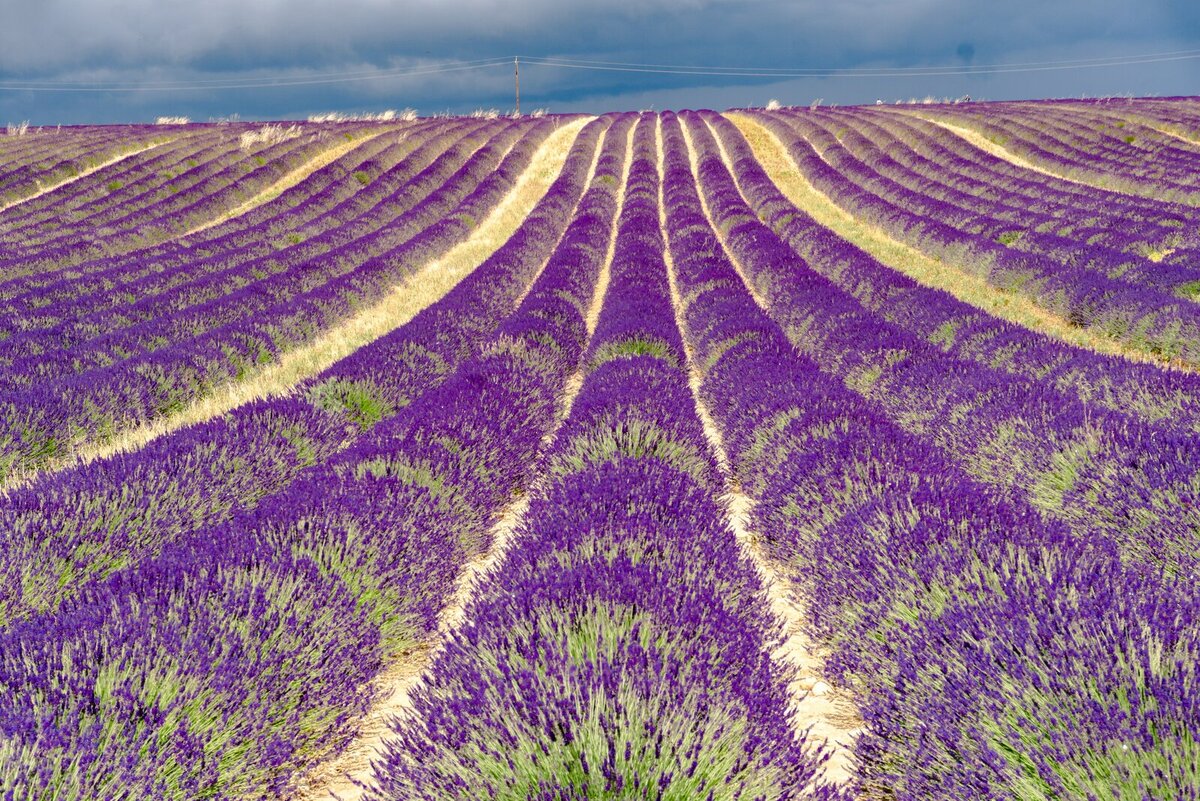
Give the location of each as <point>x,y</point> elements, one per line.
<point>346,776</point>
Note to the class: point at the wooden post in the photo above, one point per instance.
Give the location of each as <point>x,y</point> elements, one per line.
<point>517,81</point>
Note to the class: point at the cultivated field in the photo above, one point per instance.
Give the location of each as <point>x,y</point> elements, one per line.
<point>821,453</point>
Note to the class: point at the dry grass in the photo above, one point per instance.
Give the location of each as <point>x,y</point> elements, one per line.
<point>20,129</point>
<point>171,120</point>
<point>971,289</point>
<point>322,159</point>
<point>397,307</point>
<point>268,135</point>
<point>827,715</point>
<point>388,115</point>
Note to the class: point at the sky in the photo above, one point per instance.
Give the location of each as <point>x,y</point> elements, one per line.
<point>287,59</point>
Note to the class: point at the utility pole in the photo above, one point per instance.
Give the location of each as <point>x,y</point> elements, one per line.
<point>517,81</point>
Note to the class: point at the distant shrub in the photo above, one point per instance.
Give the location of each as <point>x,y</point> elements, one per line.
<point>362,177</point>
<point>113,186</point>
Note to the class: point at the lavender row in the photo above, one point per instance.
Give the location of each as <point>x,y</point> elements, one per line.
<point>910,566</point>
<point>152,216</point>
<point>98,189</point>
<point>73,527</point>
<point>1118,218</point>
<point>1169,399</point>
<point>1102,159</point>
<point>1026,212</point>
<point>217,152</point>
<point>263,231</point>
<point>1104,473</point>
<point>859,160</point>
<point>620,648</point>
<point>349,568</point>
<point>219,156</point>
<point>79,340</point>
<point>49,419</point>
<point>60,162</point>
<point>1145,319</point>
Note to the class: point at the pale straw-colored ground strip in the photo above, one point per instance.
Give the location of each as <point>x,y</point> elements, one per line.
<point>827,714</point>
<point>1010,306</point>
<point>287,181</point>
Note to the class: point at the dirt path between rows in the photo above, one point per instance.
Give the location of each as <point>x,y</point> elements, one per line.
<point>827,714</point>
<point>345,776</point>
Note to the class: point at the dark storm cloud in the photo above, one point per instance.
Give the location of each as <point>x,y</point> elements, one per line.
<point>145,41</point>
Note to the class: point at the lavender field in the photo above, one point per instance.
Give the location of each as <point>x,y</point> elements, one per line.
<point>829,453</point>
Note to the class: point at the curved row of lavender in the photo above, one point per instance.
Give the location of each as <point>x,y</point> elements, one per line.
<point>1084,140</point>
<point>69,528</point>
<point>1104,472</point>
<point>964,622</point>
<point>86,325</point>
<point>1096,215</point>
<point>68,314</point>
<point>1146,318</point>
<point>155,366</point>
<point>222,664</point>
<point>350,189</point>
<point>1160,230</point>
<point>1168,398</point>
<point>219,178</point>
<point>108,186</point>
<point>858,149</point>
<point>620,649</point>
<point>994,534</point>
<point>33,162</point>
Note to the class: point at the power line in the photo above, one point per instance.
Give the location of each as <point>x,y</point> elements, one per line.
<point>1082,62</point>
<point>248,83</point>
<point>600,66</point>
<point>881,72</point>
